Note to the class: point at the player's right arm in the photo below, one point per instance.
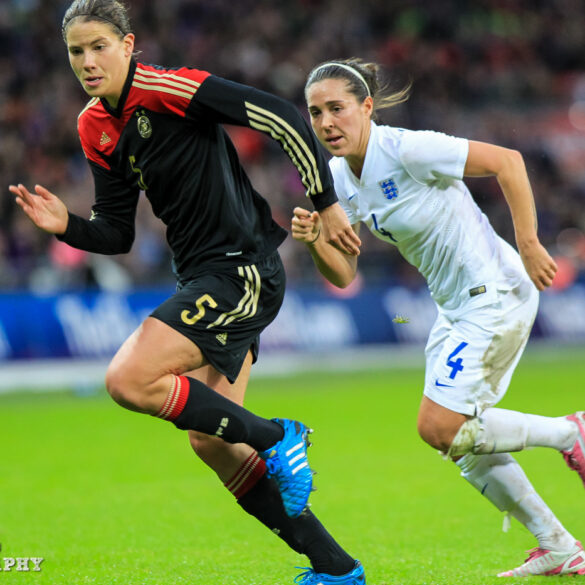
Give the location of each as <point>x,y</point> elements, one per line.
<point>336,266</point>
<point>111,226</point>
<point>109,230</point>
<point>43,208</point>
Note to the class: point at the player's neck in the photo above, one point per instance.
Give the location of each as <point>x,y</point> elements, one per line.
<point>356,164</point>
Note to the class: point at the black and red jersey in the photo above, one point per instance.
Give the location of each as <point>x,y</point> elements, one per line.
<point>166,138</point>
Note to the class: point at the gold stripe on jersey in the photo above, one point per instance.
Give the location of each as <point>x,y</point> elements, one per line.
<point>298,150</point>
<point>248,305</point>
<point>167,82</point>
<point>304,170</point>
<point>90,104</point>
<point>169,76</point>
<point>153,87</point>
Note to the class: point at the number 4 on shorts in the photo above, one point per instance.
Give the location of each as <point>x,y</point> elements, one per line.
<point>455,365</point>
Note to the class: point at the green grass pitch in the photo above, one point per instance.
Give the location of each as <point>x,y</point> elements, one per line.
<point>109,497</point>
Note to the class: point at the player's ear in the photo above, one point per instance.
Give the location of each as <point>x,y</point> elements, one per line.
<point>368,105</point>
<point>128,44</point>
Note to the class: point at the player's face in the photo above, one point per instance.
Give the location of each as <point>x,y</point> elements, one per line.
<point>99,58</point>
<point>339,120</point>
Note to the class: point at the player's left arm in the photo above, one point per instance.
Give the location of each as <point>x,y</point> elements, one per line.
<point>508,167</point>
<point>227,102</point>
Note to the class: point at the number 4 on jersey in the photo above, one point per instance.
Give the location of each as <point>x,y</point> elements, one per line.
<point>455,365</point>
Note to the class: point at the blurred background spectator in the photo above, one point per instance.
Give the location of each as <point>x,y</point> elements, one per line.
<point>505,71</point>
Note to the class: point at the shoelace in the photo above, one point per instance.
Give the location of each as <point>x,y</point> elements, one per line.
<point>307,577</point>
<point>533,552</point>
<point>272,465</point>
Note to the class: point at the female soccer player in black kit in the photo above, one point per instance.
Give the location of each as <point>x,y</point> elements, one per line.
<point>158,130</point>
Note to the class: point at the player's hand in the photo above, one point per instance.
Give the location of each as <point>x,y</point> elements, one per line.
<point>538,263</point>
<point>305,226</point>
<point>44,209</point>
<point>337,230</point>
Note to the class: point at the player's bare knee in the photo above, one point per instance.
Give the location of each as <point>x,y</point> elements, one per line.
<point>436,437</point>
<point>122,390</point>
<point>427,430</point>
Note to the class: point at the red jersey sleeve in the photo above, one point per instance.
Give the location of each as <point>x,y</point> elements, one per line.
<point>169,90</point>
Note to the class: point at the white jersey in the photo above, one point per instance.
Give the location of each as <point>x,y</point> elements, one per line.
<point>411,194</point>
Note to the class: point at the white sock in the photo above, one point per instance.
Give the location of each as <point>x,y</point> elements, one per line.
<point>503,431</point>
<point>502,481</point>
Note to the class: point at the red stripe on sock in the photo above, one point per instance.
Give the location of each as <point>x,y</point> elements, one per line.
<point>241,472</point>
<point>176,399</point>
<point>247,476</point>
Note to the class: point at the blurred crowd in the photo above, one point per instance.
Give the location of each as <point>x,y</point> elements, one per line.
<point>510,72</point>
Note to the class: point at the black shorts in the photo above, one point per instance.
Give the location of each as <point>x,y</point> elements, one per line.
<point>224,313</point>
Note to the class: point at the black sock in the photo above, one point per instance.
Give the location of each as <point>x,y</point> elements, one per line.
<point>209,412</point>
<point>304,534</point>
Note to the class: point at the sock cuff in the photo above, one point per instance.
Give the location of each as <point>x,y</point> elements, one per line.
<point>176,399</point>
<point>467,462</point>
<point>247,476</point>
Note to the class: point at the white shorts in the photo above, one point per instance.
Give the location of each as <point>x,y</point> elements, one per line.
<point>470,360</point>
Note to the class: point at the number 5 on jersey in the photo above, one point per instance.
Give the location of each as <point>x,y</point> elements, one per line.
<point>189,318</point>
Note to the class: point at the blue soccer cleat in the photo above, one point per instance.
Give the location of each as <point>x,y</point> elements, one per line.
<point>287,463</point>
<point>355,577</point>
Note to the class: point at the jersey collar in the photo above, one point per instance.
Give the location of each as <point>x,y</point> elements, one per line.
<point>117,111</point>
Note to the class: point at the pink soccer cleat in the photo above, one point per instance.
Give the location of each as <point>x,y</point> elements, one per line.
<point>547,563</point>
<point>575,457</point>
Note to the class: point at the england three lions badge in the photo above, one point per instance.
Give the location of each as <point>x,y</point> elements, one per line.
<point>389,188</point>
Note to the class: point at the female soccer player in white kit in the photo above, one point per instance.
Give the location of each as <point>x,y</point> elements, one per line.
<point>407,187</point>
